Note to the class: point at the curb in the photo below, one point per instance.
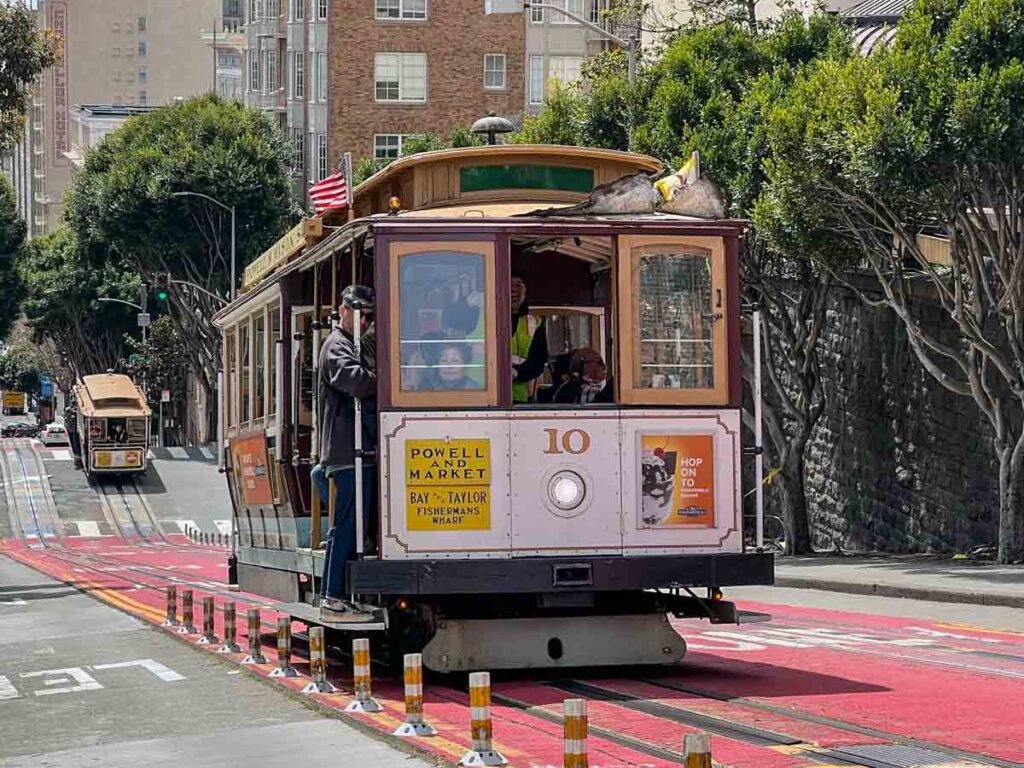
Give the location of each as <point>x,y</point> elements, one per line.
<point>910,593</point>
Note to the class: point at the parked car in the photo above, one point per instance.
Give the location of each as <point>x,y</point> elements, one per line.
<point>54,434</point>
<point>19,429</point>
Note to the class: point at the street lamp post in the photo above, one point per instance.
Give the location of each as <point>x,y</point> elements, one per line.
<point>230,209</point>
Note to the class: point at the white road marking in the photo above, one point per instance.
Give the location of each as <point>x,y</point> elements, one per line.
<point>60,455</point>
<point>166,674</point>
<point>207,453</point>
<point>85,681</point>
<point>177,452</point>
<point>16,601</point>
<point>88,528</point>
<point>7,689</point>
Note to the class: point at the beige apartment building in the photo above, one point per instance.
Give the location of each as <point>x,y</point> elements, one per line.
<point>120,53</point>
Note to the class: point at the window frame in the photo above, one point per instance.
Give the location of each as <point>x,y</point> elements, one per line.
<point>504,71</point>
<point>401,12</point>
<point>141,26</point>
<point>298,74</point>
<point>401,140</point>
<point>400,249</point>
<point>535,98</point>
<point>402,99</point>
<point>254,71</point>
<point>323,160</point>
<point>297,10</point>
<point>630,249</point>
<point>562,20</point>
<point>322,11</point>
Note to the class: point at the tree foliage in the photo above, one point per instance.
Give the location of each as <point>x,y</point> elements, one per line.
<point>926,136</point>
<point>18,372</point>
<point>122,205</point>
<point>62,283</point>
<point>25,51</point>
<point>460,136</point>
<point>158,360</point>
<point>12,239</point>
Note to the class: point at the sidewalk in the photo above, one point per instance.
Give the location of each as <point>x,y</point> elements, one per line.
<point>918,577</point>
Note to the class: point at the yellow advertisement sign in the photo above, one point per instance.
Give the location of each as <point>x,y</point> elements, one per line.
<point>448,485</point>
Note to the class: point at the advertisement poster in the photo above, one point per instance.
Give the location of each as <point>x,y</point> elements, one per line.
<point>251,467</point>
<point>117,459</point>
<point>677,480</point>
<point>448,483</point>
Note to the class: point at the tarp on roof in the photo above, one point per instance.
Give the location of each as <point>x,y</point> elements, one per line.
<point>110,395</point>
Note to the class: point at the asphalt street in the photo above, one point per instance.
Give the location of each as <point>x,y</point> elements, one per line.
<point>82,684</point>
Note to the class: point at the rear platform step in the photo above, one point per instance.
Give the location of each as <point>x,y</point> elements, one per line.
<point>375,620</point>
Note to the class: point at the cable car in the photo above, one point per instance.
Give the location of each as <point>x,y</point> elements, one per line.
<point>112,425</point>
<point>513,528</point>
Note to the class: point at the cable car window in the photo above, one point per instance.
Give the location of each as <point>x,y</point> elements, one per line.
<point>275,333</point>
<point>674,320</point>
<point>244,390</point>
<point>672,309</point>
<point>260,355</point>
<point>441,337</point>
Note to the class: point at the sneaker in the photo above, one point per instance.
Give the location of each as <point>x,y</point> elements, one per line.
<point>334,604</point>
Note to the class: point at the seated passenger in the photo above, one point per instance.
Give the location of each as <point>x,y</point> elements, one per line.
<point>344,376</point>
<point>589,382</point>
<point>453,367</point>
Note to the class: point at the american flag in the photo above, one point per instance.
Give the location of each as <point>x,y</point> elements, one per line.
<point>332,192</point>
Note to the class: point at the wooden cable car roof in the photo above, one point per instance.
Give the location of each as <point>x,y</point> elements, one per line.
<point>110,395</point>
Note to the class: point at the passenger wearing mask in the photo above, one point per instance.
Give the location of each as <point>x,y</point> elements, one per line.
<point>589,382</point>
<point>454,365</point>
<point>343,377</point>
<point>529,343</point>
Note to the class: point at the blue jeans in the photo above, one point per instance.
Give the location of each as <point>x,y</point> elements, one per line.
<point>341,539</point>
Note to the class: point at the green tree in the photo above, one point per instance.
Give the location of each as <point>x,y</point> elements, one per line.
<point>62,283</point>
<point>12,238</point>
<point>25,52</point>
<point>460,136</point>
<point>928,135</point>
<point>17,372</point>
<point>122,205</point>
<point>160,361</point>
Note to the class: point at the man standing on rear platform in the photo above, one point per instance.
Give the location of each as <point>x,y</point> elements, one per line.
<point>344,376</point>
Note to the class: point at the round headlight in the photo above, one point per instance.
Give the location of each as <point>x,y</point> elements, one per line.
<point>566,490</point>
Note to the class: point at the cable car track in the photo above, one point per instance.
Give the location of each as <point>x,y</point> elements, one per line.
<point>119,504</point>
<point>39,521</point>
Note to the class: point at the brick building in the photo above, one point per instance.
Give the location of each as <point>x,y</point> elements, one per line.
<point>399,67</point>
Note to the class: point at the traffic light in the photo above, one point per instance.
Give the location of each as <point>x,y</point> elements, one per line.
<point>162,286</point>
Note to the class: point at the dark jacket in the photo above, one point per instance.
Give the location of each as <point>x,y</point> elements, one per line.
<point>572,392</point>
<point>344,377</point>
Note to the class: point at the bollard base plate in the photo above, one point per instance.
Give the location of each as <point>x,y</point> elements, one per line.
<point>255,660</point>
<point>183,630</point>
<point>490,757</point>
<point>230,648</point>
<point>366,706</point>
<point>288,671</point>
<point>414,729</point>
<point>207,640</point>
<point>169,623</point>
<point>325,687</point>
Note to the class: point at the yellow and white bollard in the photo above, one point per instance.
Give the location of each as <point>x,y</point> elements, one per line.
<point>187,626</point>
<point>574,719</point>
<point>230,630</point>
<point>284,666</point>
<point>318,663</point>
<point>364,701</point>
<point>483,752</point>
<point>697,750</point>
<point>171,619</point>
<point>255,628</point>
<point>209,614</point>
<point>414,725</point>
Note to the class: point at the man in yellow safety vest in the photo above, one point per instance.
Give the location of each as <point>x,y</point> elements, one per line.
<point>529,343</point>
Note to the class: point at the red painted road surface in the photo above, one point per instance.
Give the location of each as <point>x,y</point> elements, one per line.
<point>788,693</point>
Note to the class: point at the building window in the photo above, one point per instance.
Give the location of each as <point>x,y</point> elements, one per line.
<point>142,24</point>
<point>116,51</point>
<point>115,27</point>
<point>254,71</point>
<point>564,69</point>
<point>142,74</point>
<point>142,97</point>
<point>255,10</point>
<point>142,47</point>
<point>321,10</point>
<point>271,9</point>
<point>299,144</point>
<point>128,28</point>
<point>298,74</point>
<point>573,6</point>
<point>536,79</point>
<point>387,146</point>
<point>494,71</point>
<point>318,83</point>
<point>270,71</point>
<point>400,77</point>
<point>597,9</point>
<point>298,10</point>
<point>401,9</point>
<point>321,156</point>
<point>536,15</point>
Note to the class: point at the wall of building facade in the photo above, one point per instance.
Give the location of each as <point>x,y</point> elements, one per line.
<point>897,462</point>
<point>449,44</point>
